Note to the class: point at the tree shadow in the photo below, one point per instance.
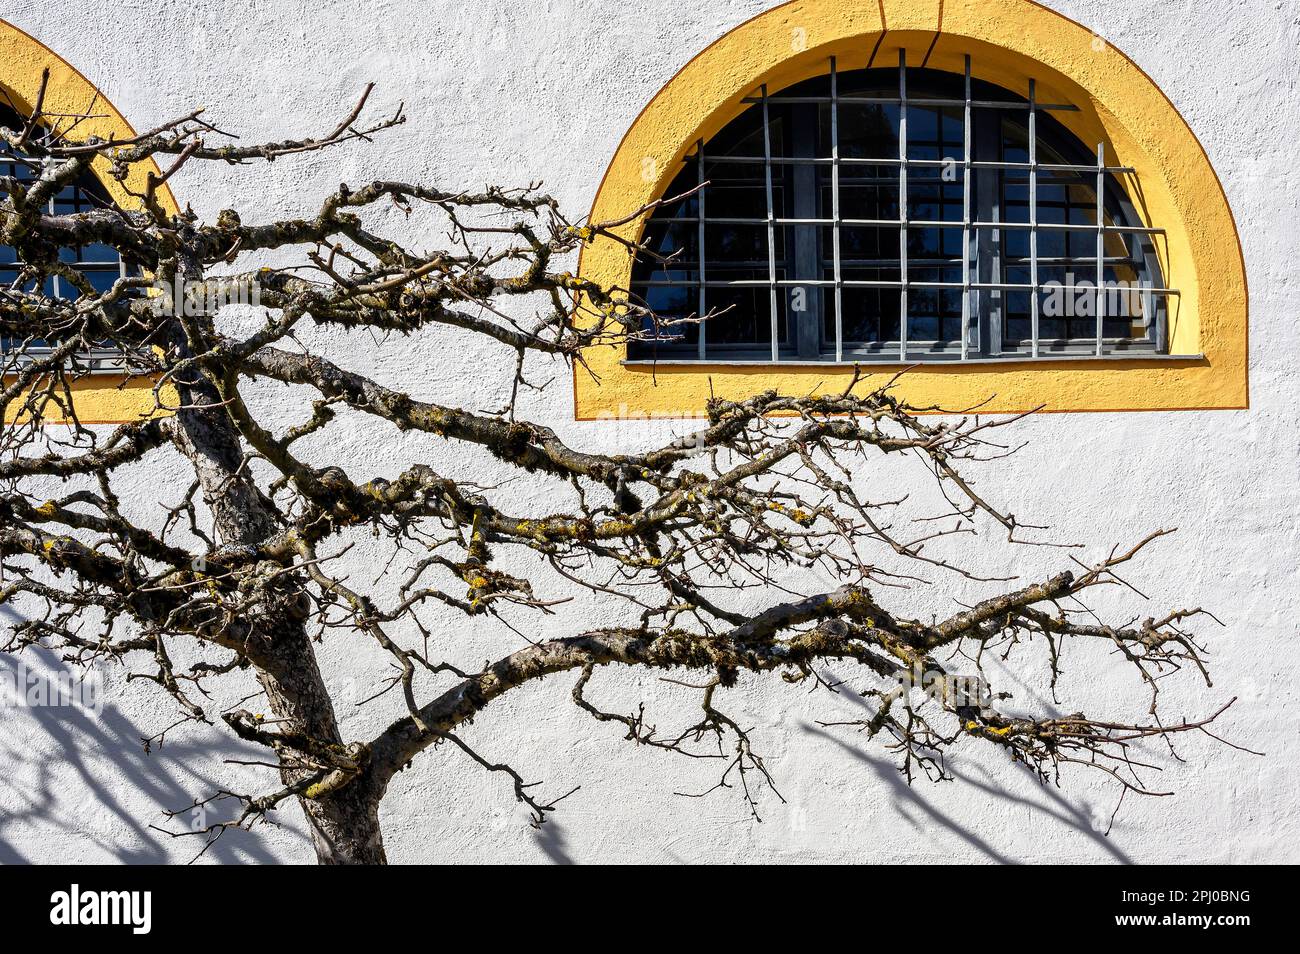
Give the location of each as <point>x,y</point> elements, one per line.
<point>551,839</point>
<point>66,764</point>
<point>905,797</point>
<point>1077,816</point>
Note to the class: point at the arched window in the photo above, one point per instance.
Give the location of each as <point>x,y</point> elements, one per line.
<point>899,214</point>
<point>101,264</point>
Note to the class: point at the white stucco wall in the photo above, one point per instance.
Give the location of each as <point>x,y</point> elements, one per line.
<point>508,92</point>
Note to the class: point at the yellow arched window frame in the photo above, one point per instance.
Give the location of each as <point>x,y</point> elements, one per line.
<point>98,398</point>
<point>1009,42</point>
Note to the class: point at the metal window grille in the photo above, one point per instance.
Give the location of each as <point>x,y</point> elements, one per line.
<point>100,264</point>
<point>1020,224</point>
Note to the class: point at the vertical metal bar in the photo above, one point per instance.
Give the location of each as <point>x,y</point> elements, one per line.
<point>835,213</point>
<point>1101,244</point>
<point>1144,300</point>
<point>771,225</point>
<point>902,203</point>
<point>1155,308</point>
<point>803,241</point>
<point>1033,219</point>
<point>702,304</point>
<point>1159,307</point>
<point>965,222</point>
<point>988,241</point>
<point>57,284</point>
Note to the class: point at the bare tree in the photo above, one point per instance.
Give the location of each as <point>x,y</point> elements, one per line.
<point>239,576</point>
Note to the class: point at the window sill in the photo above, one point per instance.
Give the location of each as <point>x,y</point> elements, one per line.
<point>695,364</point>
<point>96,362</point>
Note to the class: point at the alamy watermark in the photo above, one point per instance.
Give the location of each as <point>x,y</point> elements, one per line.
<point>23,688</point>
<point>1078,298</point>
<point>948,690</point>
<point>190,299</point>
<point>129,908</point>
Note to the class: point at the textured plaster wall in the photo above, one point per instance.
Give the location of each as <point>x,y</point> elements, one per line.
<point>510,92</point>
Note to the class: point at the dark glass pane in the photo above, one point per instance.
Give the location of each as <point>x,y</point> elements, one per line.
<point>869,202</point>
<point>866,243</point>
<point>672,303</point>
<point>744,311</point>
<point>870,313</point>
<point>102,279</point>
<point>678,240</point>
<point>866,131</point>
<point>934,314</point>
<point>935,133</point>
<point>934,242</point>
<point>738,244</point>
<point>934,199</point>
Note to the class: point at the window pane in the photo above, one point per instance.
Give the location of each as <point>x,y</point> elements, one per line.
<point>870,313</point>
<point>934,314</point>
<point>866,131</point>
<point>745,309</point>
<point>728,244</point>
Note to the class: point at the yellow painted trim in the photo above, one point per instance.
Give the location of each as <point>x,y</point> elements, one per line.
<point>1009,42</point>
<point>106,398</point>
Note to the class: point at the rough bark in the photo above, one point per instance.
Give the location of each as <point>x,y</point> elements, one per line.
<point>344,824</point>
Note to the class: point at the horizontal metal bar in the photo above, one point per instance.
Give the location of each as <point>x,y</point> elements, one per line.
<point>898,161</point>
<point>924,101</point>
<point>688,265</point>
<point>1047,166</point>
<point>883,283</point>
<point>928,224</point>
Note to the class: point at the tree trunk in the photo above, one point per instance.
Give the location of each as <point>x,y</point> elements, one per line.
<point>344,824</point>
<point>345,827</point>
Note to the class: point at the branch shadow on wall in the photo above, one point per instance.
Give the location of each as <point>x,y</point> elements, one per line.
<point>551,839</point>
<point>57,767</point>
<point>910,801</point>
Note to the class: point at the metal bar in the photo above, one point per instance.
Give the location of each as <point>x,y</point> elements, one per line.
<point>986,133</point>
<point>835,214</point>
<point>1055,227</point>
<point>933,223</point>
<point>902,203</point>
<point>1101,244</point>
<point>927,101</point>
<point>1050,166</point>
<point>771,218</point>
<point>1089,260</point>
<point>877,283</point>
<point>803,251</point>
<point>1033,221</point>
<point>1161,334</point>
<point>965,221</point>
<point>702,303</point>
<point>1148,324</point>
<point>895,161</point>
<point>955,260</point>
<point>57,284</point>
